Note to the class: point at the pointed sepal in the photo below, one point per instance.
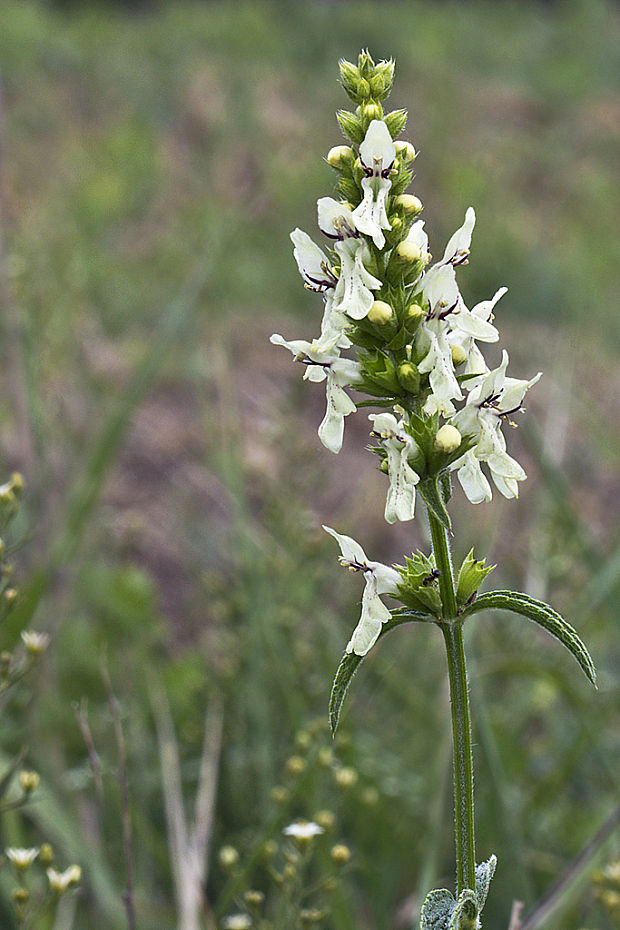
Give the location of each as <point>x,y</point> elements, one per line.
<point>484,873</point>
<point>471,575</point>
<point>542,614</point>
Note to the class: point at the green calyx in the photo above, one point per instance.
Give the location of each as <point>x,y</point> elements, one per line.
<point>471,575</point>
<point>419,588</point>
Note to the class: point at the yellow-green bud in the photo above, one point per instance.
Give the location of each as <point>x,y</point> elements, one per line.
<point>46,854</point>
<point>228,857</point>
<point>253,898</point>
<point>370,110</point>
<point>405,150</point>
<point>414,313</point>
<point>448,439</point>
<point>289,871</point>
<point>20,895</point>
<point>310,915</point>
<point>29,781</point>
<point>396,223</point>
<point>346,777</point>
<point>295,765</point>
<point>408,252</point>
<point>303,739</point>
<point>325,819</point>
<point>380,313</point>
<point>409,376</point>
<point>340,854</point>
<point>325,756</point>
<point>459,354</point>
<point>10,595</point>
<point>370,796</point>
<point>279,794</point>
<point>409,203</point>
<point>268,850</point>
<point>339,156</point>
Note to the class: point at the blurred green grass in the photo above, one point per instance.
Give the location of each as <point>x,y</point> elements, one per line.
<point>152,168</point>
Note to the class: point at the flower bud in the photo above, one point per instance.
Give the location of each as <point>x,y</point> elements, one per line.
<point>325,819</point>
<point>448,439</point>
<point>46,854</point>
<point>370,796</point>
<point>349,77</point>
<point>382,79</point>
<point>340,854</point>
<point>408,252</point>
<point>228,857</point>
<point>28,781</point>
<point>380,313</point>
<point>405,150</point>
<point>325,756</point>
<point>365,63</point>
<point>340,156</point>
<point>346,777</point>
<point>279,794</point>
<point>295,765</point>
<point>351,125</point>
<point>409,376</point>
<point>253,899</point>
<point>408,203</point>
<point>414,315</point>
<point>459,354</point>
<point>20,895</point>
<point>370,110</point>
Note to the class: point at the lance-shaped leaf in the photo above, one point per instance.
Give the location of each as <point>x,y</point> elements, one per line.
<point>542,614</point>
<point>484,873</point>
<point>350,663</point>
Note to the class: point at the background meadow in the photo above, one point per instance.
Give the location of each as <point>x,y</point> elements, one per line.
<point>152,163</point>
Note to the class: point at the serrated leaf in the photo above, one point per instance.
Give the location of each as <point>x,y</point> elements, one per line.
<point>542,614</point>
<point>434,501</point>
<point>484,873</point>
<point>350,662</point>
<point>437,910</point>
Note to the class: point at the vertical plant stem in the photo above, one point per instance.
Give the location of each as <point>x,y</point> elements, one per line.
<point>452,630</point>
<point>443,562</point>
<point>463,760</point>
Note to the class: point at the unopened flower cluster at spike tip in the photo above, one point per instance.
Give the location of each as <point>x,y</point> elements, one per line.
<point>395,326</point>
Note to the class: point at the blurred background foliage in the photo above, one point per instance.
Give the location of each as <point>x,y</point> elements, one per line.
<point>153,161</point>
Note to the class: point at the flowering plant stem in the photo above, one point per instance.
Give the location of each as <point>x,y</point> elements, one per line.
<point>452,629</point>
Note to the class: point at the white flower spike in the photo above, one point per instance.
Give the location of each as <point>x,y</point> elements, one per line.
<point>380,579</point>
<point>323,363</point>
<point>377,153</point>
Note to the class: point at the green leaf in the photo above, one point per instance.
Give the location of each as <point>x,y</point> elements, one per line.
<point>484,873</point>
<point>350,663</point>
<point>464,914</point>
<point>429,490</point>
<point>542,614</point>
<point>437,910</point>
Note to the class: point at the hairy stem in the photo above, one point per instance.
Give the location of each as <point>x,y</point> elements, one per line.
<point>463,760</point>
<point>452,630</point>
<point>443,562</point>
